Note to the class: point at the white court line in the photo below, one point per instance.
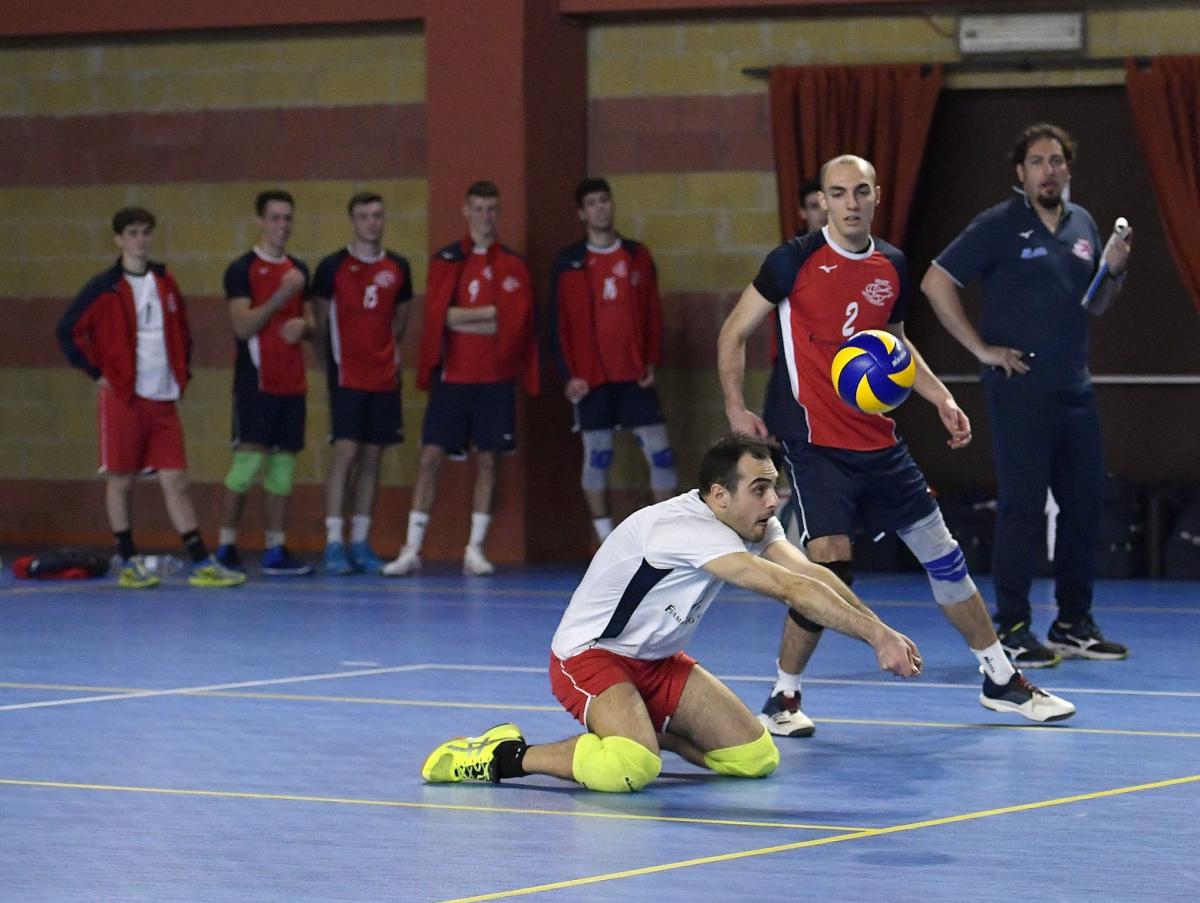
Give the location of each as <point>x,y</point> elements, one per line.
<point>525,669</point>
<point>183,691</point>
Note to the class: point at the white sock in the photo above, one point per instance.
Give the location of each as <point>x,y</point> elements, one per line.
<point>995,663</point>
<point>227,536</point>
<point>333,530</point>
<point>360,527</point>
<point>479,527</point>
<point>603,525</point>
<point>784,682</point>
<point>417,522</point>
<point>274,538</point>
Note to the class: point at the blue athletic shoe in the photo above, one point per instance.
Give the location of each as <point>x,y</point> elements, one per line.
<point>364,559</point>
<point>278,562</point>
<point>337,562</point>
<point>229,557</point>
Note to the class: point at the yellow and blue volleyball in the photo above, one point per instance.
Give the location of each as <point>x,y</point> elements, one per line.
<point>873,371</point>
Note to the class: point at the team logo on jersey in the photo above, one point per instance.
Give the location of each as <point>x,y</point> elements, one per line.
<point>1025,235</point>
<point>879,292</point>
<point>264,271</point>
<point>1031,253</point>
<point>510,283</point>
<point>827,268</point>
<point>620,270</point>
<point>1082,249</point>
<point>385,279</point>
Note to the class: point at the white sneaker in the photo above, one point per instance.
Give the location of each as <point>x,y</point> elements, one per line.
<point>1023,698</point>
<point>406,563</point>
<point>474,564</point>
<point>782,717</point>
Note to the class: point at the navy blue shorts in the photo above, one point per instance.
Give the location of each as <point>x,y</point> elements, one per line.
<point>835,489</point>
<point>460,415</point>
<point>272,421</point>
<point>614,406</point>
<point>371,417</point>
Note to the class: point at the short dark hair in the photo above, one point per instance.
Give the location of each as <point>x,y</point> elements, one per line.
<point>274,194</point>
<point>1037,132</point>
<point>363,197</point>
<point>483,189</point>
<point>590,185</point>
<point>812,185</point>
<point>720,462</point>
<point>129,216</point>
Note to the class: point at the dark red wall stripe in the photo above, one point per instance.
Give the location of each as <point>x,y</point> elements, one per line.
<point>371,141</point>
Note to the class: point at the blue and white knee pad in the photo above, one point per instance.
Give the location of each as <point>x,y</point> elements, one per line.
<point>940,555</point>
<point>657,448</point>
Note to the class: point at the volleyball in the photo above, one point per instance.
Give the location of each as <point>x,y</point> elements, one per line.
<point>873,371</point>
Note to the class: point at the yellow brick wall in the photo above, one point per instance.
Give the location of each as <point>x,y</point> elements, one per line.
<point>384,65</point>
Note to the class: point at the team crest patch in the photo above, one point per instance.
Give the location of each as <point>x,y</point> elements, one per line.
<point>510,283</point>
<point>1082,249</point>
<point>879,292</point>
<point>620,270</point>
<point>385,279</point>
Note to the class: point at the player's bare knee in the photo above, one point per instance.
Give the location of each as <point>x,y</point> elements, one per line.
<point>755,759</point>
<point>613,764</point>
<point>939,553</point>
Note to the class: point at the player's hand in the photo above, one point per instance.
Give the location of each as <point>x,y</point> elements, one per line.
<point>292,330</point>
<point>1010,360</point>
<point>103,383</point>
<point>956,422</point>
<point>898,654</point>
<point>743,421</point>
<point>1117,253</point>
<point>292,282</point>
<point>648,380</point>
<point>576,389</point>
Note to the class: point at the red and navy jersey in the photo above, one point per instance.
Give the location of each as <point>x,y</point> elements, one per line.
<point>363,296</point>
<point>471,358</point>
<point>98,333</point>
<point>605,315</point>
<point>265,360</point>
<point>824,295</point>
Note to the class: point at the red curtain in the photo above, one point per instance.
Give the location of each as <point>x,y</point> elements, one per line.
<point>882,113</point>
<point>1165,101</point>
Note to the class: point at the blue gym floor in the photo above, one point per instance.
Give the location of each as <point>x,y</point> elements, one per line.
<point>265,744</point>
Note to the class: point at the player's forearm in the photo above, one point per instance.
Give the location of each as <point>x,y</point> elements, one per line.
<point>461,316</point>
<point>731,368</point>
<point>248,323</point>
<point>818,600</point>
<point>473,328</point>
<point>927,385</point>
<point>1105,296</point>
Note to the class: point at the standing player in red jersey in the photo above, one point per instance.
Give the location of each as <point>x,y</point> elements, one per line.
<point>270,317</point>
<point>477,341</point>
<point>362,294</point>
<point>606,334</point>
<point>845,464</point>
<point>128,330</point>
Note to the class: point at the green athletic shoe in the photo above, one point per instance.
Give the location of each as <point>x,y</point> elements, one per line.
<point>211,574</point>
<point>135,576</point>
<point>469,758</point>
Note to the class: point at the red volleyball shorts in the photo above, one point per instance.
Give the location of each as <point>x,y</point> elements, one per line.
<point>576,681</point>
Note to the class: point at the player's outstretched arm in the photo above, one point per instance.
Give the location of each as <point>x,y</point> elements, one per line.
<point>786,555</point>
<point>817,600</point>
<point>752,308</point>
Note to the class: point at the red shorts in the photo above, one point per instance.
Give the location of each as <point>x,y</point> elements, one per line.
<point>140,435</point>
<point>580,678</point>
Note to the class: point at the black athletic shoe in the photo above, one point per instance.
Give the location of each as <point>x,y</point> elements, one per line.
<point>1083,639</point>
<point>1025,650</point>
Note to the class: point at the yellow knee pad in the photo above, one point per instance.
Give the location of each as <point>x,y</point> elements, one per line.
<point>613,764</point>
<point>755,759</point>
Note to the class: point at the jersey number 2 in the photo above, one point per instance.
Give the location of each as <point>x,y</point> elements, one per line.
<point>851,316</point>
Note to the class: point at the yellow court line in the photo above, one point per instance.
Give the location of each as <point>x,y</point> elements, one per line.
<point>518,707</point>
<point>399,804</point>
<point>821,841</point>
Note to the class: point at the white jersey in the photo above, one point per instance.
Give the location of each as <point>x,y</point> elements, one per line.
<point>154,377</point>
<point>645,591</point>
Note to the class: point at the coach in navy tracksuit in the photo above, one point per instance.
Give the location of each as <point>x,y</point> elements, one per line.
<point>1035,256</point>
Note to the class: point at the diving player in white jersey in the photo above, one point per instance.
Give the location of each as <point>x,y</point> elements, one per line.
<point>617,662</point>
